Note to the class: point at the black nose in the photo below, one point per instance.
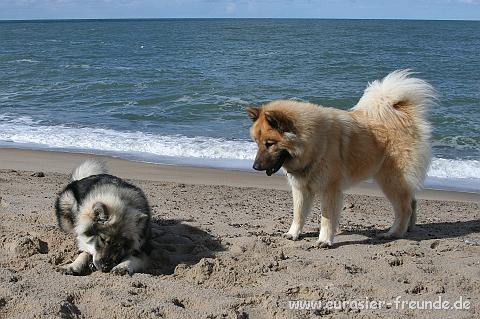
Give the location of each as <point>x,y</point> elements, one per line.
<point>257,166</point>
<point>105,267</point>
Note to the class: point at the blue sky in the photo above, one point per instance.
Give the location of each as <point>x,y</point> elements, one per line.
<point>357,9</point>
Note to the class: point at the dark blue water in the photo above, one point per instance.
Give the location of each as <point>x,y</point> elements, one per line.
<point>177,89</point>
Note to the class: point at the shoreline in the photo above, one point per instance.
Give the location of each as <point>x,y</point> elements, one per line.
<point>449,174</point>
<point>64,162</point>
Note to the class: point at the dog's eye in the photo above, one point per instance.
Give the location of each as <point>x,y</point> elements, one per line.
<point>268,144</point>
<point>104,240</point>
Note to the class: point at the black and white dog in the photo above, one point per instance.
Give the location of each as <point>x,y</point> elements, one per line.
<point>110,219</point>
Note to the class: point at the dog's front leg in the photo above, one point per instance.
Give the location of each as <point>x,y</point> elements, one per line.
<point>79,266</point>
<point>130,265</point>
<point>302,203</point>
<point>332,200</point>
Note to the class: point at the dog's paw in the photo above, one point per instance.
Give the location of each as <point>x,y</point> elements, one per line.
<point>388,235</point>
<point>385,235</point>
<point>119,271</point>
<point>68,270</point>
<point>323,244</point>
<point>294,232</point>
<point>291,236</point>
<point>122,270</point>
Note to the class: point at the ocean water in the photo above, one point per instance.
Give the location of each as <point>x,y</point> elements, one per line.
<point>174,91</point>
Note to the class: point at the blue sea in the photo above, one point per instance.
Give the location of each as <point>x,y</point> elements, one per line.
<point>175,91</point>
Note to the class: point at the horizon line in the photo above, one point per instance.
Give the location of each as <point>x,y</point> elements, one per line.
<point>227,18</point>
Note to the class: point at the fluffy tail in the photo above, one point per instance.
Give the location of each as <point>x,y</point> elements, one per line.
<point>397,93</point>
<point>400,102</point>
<point>88,168</point>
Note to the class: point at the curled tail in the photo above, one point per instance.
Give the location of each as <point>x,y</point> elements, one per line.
<point>398,95</point>
<point>399,102</point>
<point>88,168</point>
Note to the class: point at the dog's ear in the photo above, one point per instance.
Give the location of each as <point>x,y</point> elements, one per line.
<point>142,219</point>
<point>101,212</point>
<point>253,113</point>
<point>279,121</point>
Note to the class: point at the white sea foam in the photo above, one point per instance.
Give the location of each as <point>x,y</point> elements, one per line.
<point>449,168</point>
<point>26,131</point>
<point>21,132</point>
<point>26,61</point>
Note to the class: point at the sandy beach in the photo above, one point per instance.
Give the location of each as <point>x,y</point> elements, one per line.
<point>220,251</point>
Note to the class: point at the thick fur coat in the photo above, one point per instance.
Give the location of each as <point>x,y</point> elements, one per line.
<point>324,150</point>
<point>110,219</point>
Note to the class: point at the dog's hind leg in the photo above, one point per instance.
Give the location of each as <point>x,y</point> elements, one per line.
<point>65,208</point>
<point>302,204</point>
<point>401,197</point>
<point>332,200</point>
<point>413,216</point>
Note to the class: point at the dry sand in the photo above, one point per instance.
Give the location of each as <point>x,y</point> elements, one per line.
<point>220,254</point>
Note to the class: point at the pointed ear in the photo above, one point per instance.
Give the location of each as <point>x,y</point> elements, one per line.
<point>280,121</point>
<point>101,212</point>
<point>253,113</point>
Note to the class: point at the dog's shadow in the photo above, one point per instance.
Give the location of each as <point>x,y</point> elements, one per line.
<point>174,243</point>
<point>420,232</point>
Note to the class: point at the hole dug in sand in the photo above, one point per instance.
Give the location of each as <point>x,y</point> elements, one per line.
<point>175,243</point>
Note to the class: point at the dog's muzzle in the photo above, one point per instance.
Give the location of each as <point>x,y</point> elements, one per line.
<point>257,167</point>
<point>272,169</point>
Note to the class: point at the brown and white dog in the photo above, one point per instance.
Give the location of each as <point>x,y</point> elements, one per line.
<point>326,150</point>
